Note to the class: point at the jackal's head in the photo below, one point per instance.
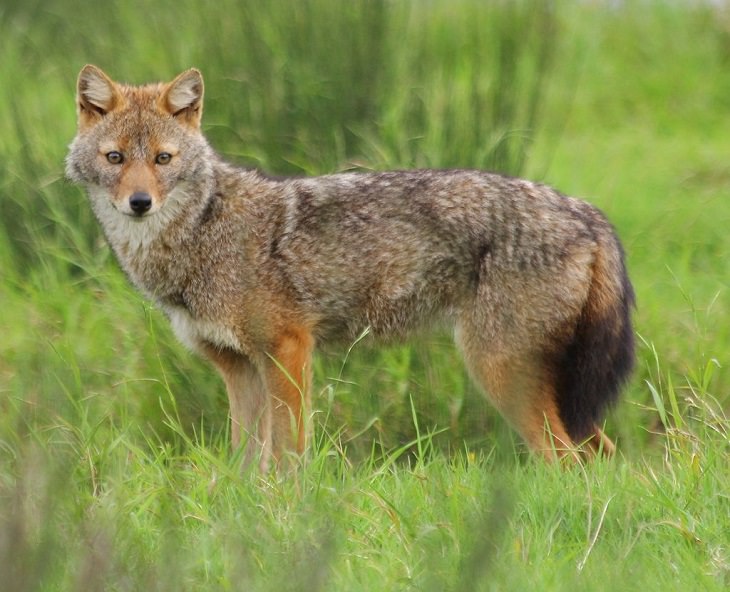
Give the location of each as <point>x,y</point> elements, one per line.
<point>139,149</point>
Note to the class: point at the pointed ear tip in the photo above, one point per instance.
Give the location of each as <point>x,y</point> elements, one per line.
<point>87,68</point>
<point>191,78</point>
<point>195,73</point>
<point>91,71</point>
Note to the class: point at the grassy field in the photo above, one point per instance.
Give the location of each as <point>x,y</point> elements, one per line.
<point>115,469</point>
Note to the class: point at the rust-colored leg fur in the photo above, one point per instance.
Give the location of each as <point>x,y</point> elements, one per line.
<point>521,391</point>
<point>600,443</point>
<point>288,377</point>
<point>269,402</point>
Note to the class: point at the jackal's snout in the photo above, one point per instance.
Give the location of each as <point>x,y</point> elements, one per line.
<point>140,191</point>
<point>140,203</point>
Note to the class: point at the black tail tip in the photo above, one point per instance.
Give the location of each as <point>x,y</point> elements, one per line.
<point>595,367</point>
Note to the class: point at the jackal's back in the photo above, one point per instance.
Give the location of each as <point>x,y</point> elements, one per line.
<point>390,250</point>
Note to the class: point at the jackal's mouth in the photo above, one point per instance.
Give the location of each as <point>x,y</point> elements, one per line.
<point>138,217</point>
<point>131,214</point>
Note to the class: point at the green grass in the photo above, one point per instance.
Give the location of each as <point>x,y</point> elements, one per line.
<point>115,469</point>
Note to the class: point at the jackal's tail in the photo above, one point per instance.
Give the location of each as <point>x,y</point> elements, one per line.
<point>597,362</point>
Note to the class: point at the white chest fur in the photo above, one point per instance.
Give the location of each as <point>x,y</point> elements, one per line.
<point>194,332</point>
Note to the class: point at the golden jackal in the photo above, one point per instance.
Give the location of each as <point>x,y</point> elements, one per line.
<point>254,271</point>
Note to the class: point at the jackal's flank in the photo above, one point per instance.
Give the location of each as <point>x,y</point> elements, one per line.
<point>253,272</point>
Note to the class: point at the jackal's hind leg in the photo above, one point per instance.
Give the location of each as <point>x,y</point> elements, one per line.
<point>520,388</point>
<point>600,443</point>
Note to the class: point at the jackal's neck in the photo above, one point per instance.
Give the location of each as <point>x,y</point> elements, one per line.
<point>157,251</point>
<point>217,218</point>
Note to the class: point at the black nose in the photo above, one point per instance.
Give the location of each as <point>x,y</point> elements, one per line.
<point>140,202</point>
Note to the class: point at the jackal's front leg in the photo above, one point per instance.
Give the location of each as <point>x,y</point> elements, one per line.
<point>288,378</point>
<point>250,405</point>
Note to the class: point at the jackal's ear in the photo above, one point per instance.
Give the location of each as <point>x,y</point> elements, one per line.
<point>96,94</point>
<point>183,98</point>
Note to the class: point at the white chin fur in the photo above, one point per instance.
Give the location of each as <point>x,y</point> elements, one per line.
<point>135,231</point>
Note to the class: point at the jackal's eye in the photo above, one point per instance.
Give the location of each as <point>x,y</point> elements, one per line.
<point>163,158</point>
<point>115,157</point>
